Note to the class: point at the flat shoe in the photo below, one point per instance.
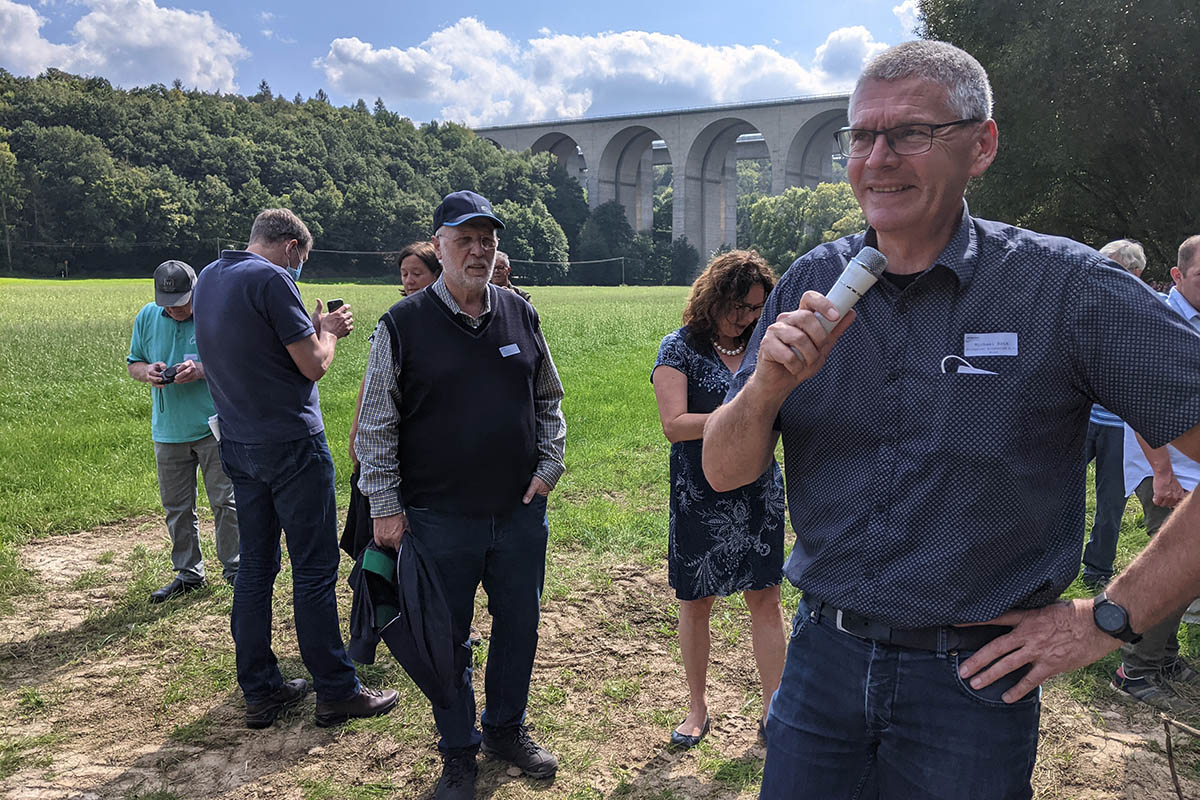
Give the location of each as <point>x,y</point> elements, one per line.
<point>684,742</point>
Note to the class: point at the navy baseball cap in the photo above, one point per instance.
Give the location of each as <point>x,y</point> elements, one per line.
<point>173,283</point>
<point>458,207</point>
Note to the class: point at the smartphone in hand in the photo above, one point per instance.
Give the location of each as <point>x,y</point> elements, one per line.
<point>334,305</point>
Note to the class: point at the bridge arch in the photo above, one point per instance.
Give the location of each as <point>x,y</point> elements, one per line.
<point>811,151</point>
<point>710,185</point>
<point>627,174</point>
<point>568,152</point>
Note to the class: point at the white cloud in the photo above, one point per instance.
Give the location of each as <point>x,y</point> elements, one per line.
<point>906,12</point>
<point>130,42</point>
<point>480,76</point>
<point>265,16</point>
<point>846,50</point>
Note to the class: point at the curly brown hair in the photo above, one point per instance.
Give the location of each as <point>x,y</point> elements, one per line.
<point>725,281</point>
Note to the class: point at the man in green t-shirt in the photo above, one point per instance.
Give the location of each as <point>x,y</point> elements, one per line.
<point>162,353</point>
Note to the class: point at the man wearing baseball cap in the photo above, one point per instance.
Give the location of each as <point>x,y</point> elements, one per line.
<point>460,438</point>
<point>162,353</point>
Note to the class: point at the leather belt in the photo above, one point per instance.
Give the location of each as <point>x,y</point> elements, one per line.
<point>939,639</point>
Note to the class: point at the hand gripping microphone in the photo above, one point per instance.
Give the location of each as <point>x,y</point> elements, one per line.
<point>858,276</point>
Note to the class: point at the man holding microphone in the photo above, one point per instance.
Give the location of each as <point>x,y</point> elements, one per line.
<point>934,447</point>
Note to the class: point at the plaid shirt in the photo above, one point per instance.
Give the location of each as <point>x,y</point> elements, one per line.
<point>379,417</point>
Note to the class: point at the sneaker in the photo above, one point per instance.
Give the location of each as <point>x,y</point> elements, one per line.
<point>1180,671</point>
<point>1147,690</point>
<point>458,777</point>
<point>516,746</point>
<point>174,589</point>
<point>1192,615</point>
<point>1095,583</point>
<point>262,715</point>
<point>367,703</point>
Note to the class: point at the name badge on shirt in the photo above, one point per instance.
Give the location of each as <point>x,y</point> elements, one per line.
<point>989,344</point>
<point>509,350</point>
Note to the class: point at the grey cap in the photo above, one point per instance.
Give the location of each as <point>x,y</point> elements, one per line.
<point>173,283</point>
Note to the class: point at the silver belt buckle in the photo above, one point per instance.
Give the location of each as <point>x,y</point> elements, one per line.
<point>838,619</point>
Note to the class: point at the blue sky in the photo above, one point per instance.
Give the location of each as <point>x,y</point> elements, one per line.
<point>480,63</point>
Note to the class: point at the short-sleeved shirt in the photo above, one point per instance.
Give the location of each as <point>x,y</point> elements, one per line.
<point>1137,467</point>
<point>923,494</point>
<point>247,312</point>
<point>179,412</point>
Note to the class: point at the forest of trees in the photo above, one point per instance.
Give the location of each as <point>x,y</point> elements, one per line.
<point>100,181</point>
<point>1097,108</point>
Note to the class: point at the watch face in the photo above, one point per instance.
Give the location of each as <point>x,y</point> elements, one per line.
<point>1110,618</point>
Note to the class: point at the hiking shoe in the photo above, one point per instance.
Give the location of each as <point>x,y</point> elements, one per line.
<point>458,777</point>
<point>1094,583</point>
<point>262,715</point>
<point>1179,671</point>
<point>1149,691</point>
<point>367,703</point>
<point>174,589</point>
<point>517,747</point>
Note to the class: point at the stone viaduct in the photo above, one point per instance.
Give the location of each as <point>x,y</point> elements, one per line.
<point>613,157</point>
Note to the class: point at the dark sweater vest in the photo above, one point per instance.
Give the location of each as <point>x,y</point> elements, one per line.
<point>468,441</point>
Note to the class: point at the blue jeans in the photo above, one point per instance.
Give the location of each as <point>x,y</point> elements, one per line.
<point>287,485</point>
<point>507,554</point>
<point>858,719</point>
<point>1105,444</point>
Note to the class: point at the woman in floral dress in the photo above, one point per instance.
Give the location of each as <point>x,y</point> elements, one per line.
<point>720,542</point>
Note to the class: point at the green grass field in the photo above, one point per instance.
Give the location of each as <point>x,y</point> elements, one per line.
<point>74,428</point>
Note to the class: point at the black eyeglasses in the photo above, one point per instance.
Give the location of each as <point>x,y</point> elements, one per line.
<point>905,140</point>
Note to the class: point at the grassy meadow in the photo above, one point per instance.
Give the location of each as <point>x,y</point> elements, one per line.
<point>74,428</point>
<point>75,453</point>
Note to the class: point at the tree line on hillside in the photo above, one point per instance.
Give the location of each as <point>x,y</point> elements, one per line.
<point>100,181</point>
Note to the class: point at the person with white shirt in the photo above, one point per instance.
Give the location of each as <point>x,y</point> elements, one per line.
<point>1161,478</point>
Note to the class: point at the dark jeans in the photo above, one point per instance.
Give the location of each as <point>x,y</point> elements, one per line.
<point>857,719</point>
<point>1159,646</point>
<point>507,553</point>
<point>1105,444</point>
<point>287,485</point>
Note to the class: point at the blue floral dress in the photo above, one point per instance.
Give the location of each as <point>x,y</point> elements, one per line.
<point>720,542</point>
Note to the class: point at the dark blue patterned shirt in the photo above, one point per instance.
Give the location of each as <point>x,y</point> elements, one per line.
<point>922,494</point>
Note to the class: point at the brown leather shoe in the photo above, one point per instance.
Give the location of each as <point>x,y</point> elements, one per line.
<point>263,715</point>
<point>367,703</point>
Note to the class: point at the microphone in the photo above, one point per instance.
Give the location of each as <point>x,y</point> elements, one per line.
<point>858,276</point>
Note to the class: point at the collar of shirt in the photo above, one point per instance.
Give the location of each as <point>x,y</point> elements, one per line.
<point>439,288</point>
<point>1178,302</point>
<point>959,256</point>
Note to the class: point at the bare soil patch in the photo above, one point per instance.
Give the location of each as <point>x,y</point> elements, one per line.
<point>104,696</point>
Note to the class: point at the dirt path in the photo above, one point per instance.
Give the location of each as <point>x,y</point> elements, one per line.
<point>105,696</point>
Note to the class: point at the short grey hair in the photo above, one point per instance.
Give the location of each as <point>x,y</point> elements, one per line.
<point>276,225</point>
<point>500,254</point>
<point>963,77</point>
<point>1188,251</point>
<point>1129,254</point>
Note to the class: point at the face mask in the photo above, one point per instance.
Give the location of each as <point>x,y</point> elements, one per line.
<point>295,271</point>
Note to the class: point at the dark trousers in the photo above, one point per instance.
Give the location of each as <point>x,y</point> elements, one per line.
<point>1159,645</point>
<point>1105,444</point>
<point>288,486</point>
<point>858,720</point>
<point>507,554</point>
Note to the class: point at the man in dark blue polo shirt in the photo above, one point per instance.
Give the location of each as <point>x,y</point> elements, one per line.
<point>934,446</point>
<point>264,354</point>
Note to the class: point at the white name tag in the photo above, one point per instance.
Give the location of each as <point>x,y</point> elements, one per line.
<point>989,344</point>
<point>510,350</point>
<point>190,357</point>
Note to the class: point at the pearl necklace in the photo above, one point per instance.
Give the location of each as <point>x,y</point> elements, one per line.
<point>735,352</point>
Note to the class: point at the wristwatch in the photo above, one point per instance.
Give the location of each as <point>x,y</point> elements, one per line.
<point>1113,619</point>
